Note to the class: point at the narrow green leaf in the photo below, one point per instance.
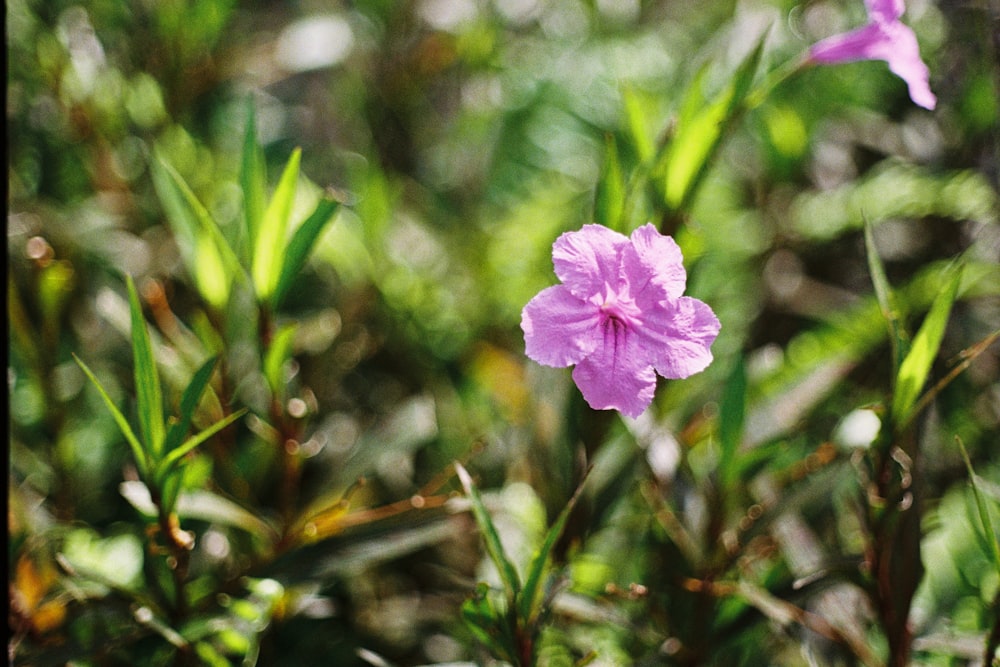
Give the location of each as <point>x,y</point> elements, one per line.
<point>609,204</point>
<point>209,258</point>
<point>269,249</point>
<point>886,299</point>
<point>198,504</point>
<point>530,599</point>
<point>700,129</point>
<point>488,624</point>
<point>508,575</point>
<point>636,114</point>
<point>149,397</point>
<point>984,511</point>
<point>732,413</point>
<point>141,457</point>
<point>174,456</point>
<point>189,403</point>
<point>253,179</point>
<point>277,354</point>
<point>914,369</point>
<point>301,246</point>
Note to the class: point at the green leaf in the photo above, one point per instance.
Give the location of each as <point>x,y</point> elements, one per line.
<point>700,129</point>
<point>637,112</point>
<point>140,454</point>
<point>149,397</point>
<point>732,413</point>
<point>529,602</point>
<point>609,205</point>
<point>171,459</point>
<point>984,511</point>
<point>253,179</point>
<point>198,504</point>
<point>209,258</point>
<point>301,246</point>
<point>494,548</point>
<point>886,299</point>
<point>914,369</point>
<point>488,624</point>
<point>269,248</point>
<point>189,403</point>
<point>278,353</point>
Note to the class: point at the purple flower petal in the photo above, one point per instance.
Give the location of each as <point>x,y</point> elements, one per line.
<point>658,259</point>
<point>619,316</point>
<point>617,376</point>
<point>682,335</point>
<point>587,260</point>
<point>559,329</point>
<point>905,62</point>
<point>884,11</point>
<point>884,38</point>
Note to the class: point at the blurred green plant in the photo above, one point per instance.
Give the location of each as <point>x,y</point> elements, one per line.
<point>161,446</point>
<point>775,509</point>
<point>511,623</point>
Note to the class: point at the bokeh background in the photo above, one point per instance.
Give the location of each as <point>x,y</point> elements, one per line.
<point>463,137</point>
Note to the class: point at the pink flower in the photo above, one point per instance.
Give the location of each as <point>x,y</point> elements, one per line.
<point>884,38</point>
<point>619,316</point>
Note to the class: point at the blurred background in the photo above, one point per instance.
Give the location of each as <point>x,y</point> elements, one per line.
<point>464,136</point>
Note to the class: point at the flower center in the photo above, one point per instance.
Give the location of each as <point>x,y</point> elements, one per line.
<point>618,310</point>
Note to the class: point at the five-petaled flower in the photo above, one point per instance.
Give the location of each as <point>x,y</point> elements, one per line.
<point>620,316</point>
<point>884,38</point>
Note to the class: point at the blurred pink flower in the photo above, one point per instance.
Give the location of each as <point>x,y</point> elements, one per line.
<point>884,38</point>
<point>619,316</point>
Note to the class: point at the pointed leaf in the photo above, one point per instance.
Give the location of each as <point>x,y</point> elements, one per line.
<point>984,510</point>
<point>886,299</point>
<point>197,504</point>
<point>269,248</point>
<point>609,206</point>
<point>636,114</point>
<point>494,548</point>
<point>141,457</point>
<point>174,456</point>
<point>189,403</point>
<point>277,354</point>
<point>253,179</point>
<point>209,258</point>
<point>301,246</point>
<point>529,601</point>
<point>700,129</point>
<point>149,398</point>
<point>914,369</point>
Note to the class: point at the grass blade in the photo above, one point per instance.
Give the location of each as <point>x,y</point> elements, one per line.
<point>886,299</point>
<point>916,365</point>
<point>984,511</point>
<point>508,575</point>
<point>149,397</point>
<point>530,598</point>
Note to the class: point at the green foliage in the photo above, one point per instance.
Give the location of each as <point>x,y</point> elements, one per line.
<point>242,452</point>
<point>701,127</point>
